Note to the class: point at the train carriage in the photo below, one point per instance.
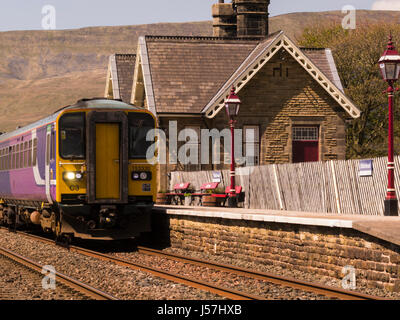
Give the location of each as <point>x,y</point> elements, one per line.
<point>80,172</point>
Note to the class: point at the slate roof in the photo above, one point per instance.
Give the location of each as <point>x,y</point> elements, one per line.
<point>323,59</point>
<point>125,67</point>
<point>187,71</point>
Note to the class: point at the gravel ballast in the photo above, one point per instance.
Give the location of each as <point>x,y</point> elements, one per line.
<point>292,273</point>
<point>120,282</point>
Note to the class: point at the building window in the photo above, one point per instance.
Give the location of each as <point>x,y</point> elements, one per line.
<point>193,145</point>
<point>305,133</point>
<point>305,146</point>
<point>251,141</point>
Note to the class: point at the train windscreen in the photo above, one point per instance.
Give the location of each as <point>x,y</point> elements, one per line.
<point>72,136</point>
<point>139,125</point>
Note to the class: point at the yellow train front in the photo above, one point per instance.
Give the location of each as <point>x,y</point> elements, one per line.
<point>105,187</point>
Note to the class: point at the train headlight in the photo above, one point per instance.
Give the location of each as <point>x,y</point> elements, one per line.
<point>70,176</point>
<point>141,175</point>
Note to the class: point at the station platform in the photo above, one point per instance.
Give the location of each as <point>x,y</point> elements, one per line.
<point>385,228</point>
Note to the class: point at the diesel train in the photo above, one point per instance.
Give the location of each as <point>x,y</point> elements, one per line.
<point>81,172</point>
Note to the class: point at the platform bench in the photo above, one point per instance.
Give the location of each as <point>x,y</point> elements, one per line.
<point>179,193</point>
<point>206,189</point>
<point>225,196</point>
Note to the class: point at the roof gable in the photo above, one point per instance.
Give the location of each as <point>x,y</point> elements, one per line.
<point>112,88</point>
<point>265,50</point>
<point>120,76</point>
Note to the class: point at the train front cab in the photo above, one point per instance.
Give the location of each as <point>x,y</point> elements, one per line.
<point>105,186</point>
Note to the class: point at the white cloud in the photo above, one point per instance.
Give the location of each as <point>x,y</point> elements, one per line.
<point>386,5</point>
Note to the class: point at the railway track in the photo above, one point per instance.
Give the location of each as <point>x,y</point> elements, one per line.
<point>192,282</point>
<point>78,288</point>
<point>279,280</point>
<point>317,289</point>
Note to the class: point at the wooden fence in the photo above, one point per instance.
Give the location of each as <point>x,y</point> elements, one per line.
<point>325,187</point>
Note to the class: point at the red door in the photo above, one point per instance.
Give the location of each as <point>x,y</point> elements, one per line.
<point>305,144</point>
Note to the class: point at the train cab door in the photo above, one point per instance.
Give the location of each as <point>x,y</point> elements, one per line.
<point>107,160</point>
<point>50,163</point>
<point>107,156</point>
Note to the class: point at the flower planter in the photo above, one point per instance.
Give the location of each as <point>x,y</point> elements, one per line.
<point>209,201</point>
<point>162,198</point>
<point>188,201</point>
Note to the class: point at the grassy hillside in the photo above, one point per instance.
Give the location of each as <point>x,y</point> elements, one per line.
<point>41,71</point>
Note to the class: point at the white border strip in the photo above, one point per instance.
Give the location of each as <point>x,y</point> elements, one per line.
<point>148,83</point>
<point>323,222</point>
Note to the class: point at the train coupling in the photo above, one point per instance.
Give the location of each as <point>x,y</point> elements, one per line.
<point>108,216</point>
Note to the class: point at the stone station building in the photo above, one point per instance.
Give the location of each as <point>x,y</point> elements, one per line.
<point>292,97</point>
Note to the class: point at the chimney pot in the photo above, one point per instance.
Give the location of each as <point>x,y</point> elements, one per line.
<point>224,20</point>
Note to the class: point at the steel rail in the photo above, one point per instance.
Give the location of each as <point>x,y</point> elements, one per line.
<point>224,292</point>
<point>66,280</point>
<point>280,280</point>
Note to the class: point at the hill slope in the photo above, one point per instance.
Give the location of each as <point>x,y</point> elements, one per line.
<point>41,71</point>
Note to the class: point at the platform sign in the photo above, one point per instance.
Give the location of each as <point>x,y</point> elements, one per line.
<point>216,176</point>
<point>366,168</point>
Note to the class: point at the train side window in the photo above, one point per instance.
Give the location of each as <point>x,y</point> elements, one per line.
<point>25,154</point>
<point>6,160</point>
<point>21,155</point>
<point>9,164</point>
<point>13,158</point>
<point>48,143</point>
<point>53,146</point>
<point>34,154</point>
<point>30,154</point>
<point>17,156</point>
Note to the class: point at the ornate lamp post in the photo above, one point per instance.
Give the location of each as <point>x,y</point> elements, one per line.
<point>389,64</point>
<point>232,106</point>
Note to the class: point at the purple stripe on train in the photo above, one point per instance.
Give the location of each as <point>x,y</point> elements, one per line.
<point>22,183</point>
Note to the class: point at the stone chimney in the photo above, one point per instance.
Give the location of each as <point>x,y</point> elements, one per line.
<point>252,18</point>
<point>224,20</point>
<point>241,18</point>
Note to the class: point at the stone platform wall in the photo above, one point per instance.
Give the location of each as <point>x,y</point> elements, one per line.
<point>321,250</point>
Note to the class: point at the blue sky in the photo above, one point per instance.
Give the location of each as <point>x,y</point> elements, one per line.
<point>27,14</point>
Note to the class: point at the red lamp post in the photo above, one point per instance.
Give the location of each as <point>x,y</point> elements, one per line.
<point>389,64</point>
<point>232,106</point>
